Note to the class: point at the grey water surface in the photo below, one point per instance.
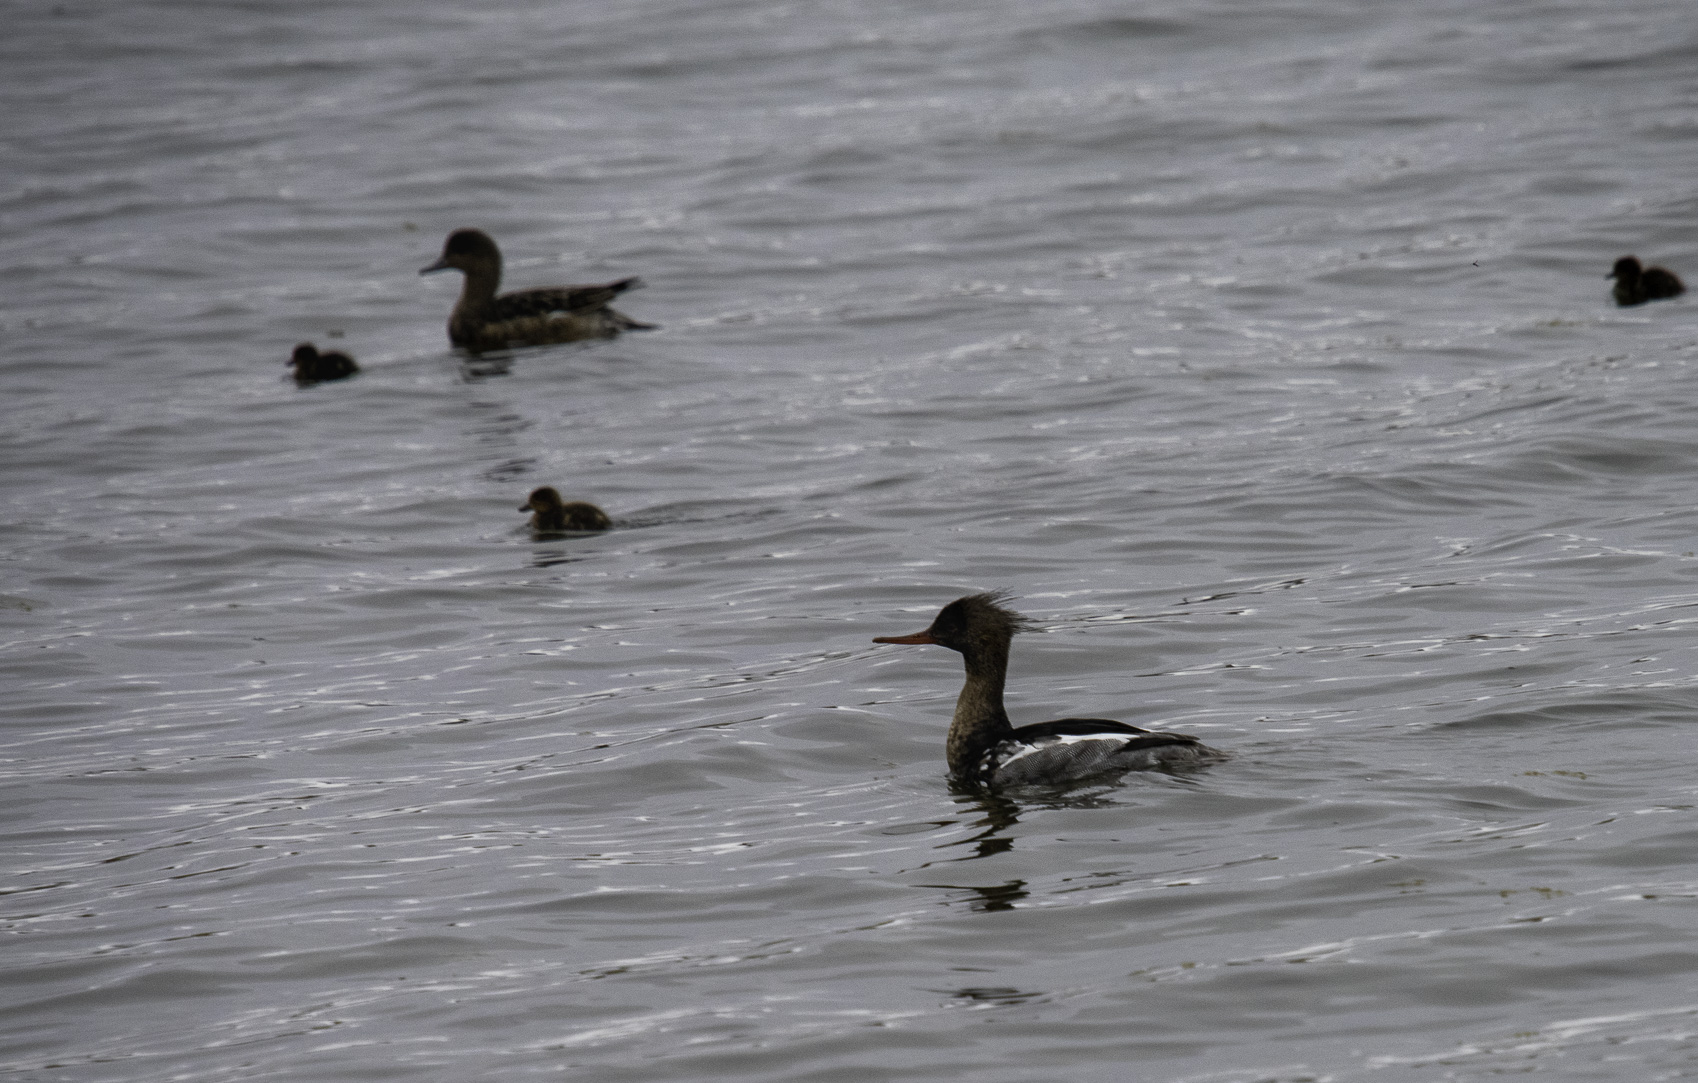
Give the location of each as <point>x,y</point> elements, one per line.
<point>1263,351</point>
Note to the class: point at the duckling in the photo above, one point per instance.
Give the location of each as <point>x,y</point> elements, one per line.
<point>553,514</point>
<point>537,317</point>
<point>1634,285</point>
<point>311,366</point>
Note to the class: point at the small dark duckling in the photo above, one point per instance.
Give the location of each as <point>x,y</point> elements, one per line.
<point>553,514</point>
<point>311,366</point>
<point>1634,285</point>
<point>537,317</point>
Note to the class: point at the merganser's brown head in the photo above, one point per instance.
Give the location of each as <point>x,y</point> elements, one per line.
<point>545,500</point>
<point>467,250</point>
<point>967,622</point>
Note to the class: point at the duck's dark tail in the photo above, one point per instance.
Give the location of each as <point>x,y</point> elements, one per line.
<point>624,322</point>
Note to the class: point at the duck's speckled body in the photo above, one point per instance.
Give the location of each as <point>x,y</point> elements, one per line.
<point>551,514</point>
<point>311,366</point>
<point>537,317</point>
<point>985,749</point>
<point>1634,285</point>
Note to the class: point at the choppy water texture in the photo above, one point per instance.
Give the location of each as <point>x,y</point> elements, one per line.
<point>1263,351</point>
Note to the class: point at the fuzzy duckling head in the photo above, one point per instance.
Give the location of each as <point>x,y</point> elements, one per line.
<point>1627,268</point>
<point>545,500</point>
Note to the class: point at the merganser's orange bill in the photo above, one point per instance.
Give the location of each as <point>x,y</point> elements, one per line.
<point>917,637</point>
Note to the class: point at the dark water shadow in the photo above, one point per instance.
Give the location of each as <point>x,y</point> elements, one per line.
<point>662,517</point>
<point>476,369</point>
<point>552,557</point>
<point>505,473</point>
<point>989,898</point>
<point>996,995</point>
<point>997,814</point>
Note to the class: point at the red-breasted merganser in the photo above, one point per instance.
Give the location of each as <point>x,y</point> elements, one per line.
<point>1634,285</point>
<point>482,321</point>
<point>311,366</point>
<point>553,514</point>
<point>985,749</point>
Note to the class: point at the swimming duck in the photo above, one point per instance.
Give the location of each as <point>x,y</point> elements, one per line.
<point>985,749</point>
<point>482,321</point>
<point>552,514</point>
<point>311,366</point>
<point>1634,285</point>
